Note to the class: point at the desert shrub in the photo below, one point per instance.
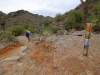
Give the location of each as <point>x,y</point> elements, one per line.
<point>97,8</point>
<point>47,21</point>
<point>54,29</point>
<point>70,23</point>
<point>33,28</point>
<point>10,37</point>
<point>50,30</point>
<point>26,26</point>
<point>74,17</point>
<point>58,17</point>
<point>16,30</point>
<point>46,31</point>
<point>1,35</point>
<point>94,18</point>
<point>6,36</point>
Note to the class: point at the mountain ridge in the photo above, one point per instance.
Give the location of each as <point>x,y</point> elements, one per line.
<point>20,17</point>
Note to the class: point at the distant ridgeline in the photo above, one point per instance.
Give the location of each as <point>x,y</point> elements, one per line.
<point>22,17</point>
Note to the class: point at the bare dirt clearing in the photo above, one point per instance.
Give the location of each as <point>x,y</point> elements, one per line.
<point>54,55</point>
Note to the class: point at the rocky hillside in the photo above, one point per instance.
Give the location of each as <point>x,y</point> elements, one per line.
<point>2,14</point>
<point>22,17</point>
<point>80,5</point>
<point>91,10</point>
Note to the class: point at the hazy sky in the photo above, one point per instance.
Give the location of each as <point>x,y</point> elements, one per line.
<point>41,7</point>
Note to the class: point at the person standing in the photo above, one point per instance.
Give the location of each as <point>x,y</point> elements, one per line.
<point>87,38</point>
<point>28,35</point>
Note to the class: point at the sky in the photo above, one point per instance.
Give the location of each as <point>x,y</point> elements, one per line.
<point>41,7</point>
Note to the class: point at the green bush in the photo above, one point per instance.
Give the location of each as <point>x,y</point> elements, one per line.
<point>46,31</point>
<point>26,26</point>
<point>92,17</point>
<point>6,36</point>
<point>58,17</point>
<point>97,7</point>
<point>77,14</point>
<point>70,23</point>
<point>47,21</point>
<point>74,17</point>
<point>16,30</point>
<point>10,37</point>
<point>54,29</point>
<point>95,17</point>
<point>32,28</point>
<point>50,30</point>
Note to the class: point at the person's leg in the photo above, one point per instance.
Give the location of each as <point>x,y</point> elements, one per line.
<point>86,46</point>
<point>85,50</point>
<point>88,43</point>
<point>28,38</point>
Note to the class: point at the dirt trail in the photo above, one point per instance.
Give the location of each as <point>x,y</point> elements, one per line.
<point>62,56</point>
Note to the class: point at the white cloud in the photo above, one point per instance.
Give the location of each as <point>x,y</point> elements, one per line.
<point>41,7</point>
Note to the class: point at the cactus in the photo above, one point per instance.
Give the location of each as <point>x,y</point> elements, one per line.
<point>85,9</point>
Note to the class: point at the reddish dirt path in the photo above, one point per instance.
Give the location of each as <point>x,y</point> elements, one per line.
<point>9,49</point>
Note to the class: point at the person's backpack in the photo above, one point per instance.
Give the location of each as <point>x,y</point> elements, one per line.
<point>29,32</point>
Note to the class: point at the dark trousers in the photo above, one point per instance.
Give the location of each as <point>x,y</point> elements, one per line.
<point>28,37</point>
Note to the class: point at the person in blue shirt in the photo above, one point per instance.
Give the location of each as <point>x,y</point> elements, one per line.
<point>28,35</point>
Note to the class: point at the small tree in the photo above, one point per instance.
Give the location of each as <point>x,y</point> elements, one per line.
<point>2,23</point>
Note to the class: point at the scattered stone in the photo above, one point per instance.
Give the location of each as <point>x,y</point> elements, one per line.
<point>24,49</point>
<point>88,72</point>
<point>15,74</point>
<point>24,54</point>
<point>20,64</point>
<point>31,61</point>
<point>69,39</point>
<point>55,67</point>
<point>31,67</point>
<point>37,42</point>
<point>3,72</point>
<point>80,57</point>
<point>79,35</point>
<point>13,58</point>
